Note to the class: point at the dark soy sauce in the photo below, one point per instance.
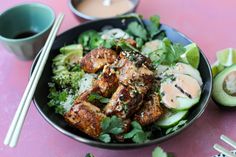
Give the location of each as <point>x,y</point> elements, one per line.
<point>25,34</point>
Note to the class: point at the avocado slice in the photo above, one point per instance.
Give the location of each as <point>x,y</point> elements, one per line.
<point>224,87</point>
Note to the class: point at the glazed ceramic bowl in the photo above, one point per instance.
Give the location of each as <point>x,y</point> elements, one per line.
<point>24,28</point>
<point>83,17</point>
<point>69,37</point>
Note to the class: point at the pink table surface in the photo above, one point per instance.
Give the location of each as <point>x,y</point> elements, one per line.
<point>211,24</point>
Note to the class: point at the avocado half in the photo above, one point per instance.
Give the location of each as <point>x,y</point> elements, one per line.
<point>220,94</point>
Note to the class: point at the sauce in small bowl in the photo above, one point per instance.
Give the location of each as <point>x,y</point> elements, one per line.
<point>95,9</point>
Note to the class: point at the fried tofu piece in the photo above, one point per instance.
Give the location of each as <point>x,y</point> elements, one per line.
<point>97,58</point>
<point>150,111</point>
<point>124,102</point>
<point>86,117</point>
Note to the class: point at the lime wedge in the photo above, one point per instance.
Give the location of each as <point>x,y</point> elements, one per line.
<point>217,68</point>
<point>191,55</point>
<point>226,57</point>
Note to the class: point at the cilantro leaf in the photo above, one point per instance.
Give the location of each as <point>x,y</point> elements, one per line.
<point>134,15</point>
<point>139,42</point>
<point>89,155</point>
<point>113,125</point>
<point>137,134</point>
<point>167,53</point>
<point>140,137</point>
<point>132,133</point>
<point>153,27</point>
<point>176,127</point>
<point>105,138</point>
<point>136,125</point>
<point>137,30</point>
<point>95,96</point>
<point>90,39</point>
<point>159,152</point>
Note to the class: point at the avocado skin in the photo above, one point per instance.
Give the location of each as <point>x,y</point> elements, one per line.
<point>219,96</point>
<point>226,108</point>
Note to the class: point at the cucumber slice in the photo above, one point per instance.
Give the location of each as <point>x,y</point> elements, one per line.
<point>186,103</point>
<point>171,118</point>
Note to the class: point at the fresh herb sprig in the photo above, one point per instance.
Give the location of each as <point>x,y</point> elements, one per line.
<point>110,126</point>
<point>137,134</point>
<point>95,96</point>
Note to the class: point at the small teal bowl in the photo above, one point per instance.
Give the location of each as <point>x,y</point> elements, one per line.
<point>24,28</point>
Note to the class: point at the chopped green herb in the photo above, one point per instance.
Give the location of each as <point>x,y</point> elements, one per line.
<point>153,26</point>
<point>89,155</point>
<point>137,30</point>
<point>137,134</point>
<point>159,152</point>
<point>95,96</point>
<point>139,42</point>
<point>90,40</point>
<point>105,138</point>
<point>113,125</point>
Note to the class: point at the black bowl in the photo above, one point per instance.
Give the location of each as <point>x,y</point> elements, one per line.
<point>83,17</point>
<point>69,37</point>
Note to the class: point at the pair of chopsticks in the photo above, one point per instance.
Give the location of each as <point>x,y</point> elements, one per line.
<point>13,133</point>
<point>224,151</point>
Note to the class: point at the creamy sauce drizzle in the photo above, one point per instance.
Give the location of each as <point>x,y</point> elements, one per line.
<point>171,93</point>
<point>96,8</point>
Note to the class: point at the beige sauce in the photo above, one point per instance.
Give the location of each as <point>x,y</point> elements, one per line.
<point>171,93</point>
<point>96,8</point>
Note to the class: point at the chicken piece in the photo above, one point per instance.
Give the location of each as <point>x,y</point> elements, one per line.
<point>97,58</point>
<point>134,70</point>
<point>150,111</point>
<point>85,117</point>
<point>124,102</point>
<point>107,81</point>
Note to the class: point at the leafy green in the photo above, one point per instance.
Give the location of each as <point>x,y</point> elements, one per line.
<point>95,96</point>
<point>89,155</point>
<point>90,39</point>
<point>57,98</point>
<point>125,46</point>
<point>167,53</point>
<point>137,134</point>
<point>113,125</point>
<point>153,26</point>
<point>134,15</point>
<point>137,30</point>
<point>105,138</point>
<point>176,127</point>
<point>159,152</point>
<point>139,42</point>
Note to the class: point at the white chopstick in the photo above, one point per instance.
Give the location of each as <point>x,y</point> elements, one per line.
<point>18,120</point>
<point>228,141</point>
<point>222,150</point>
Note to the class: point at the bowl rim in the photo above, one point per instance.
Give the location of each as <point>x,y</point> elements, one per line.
<point>88,17</point>
<point>35,4</point>
<point>121,146</point>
